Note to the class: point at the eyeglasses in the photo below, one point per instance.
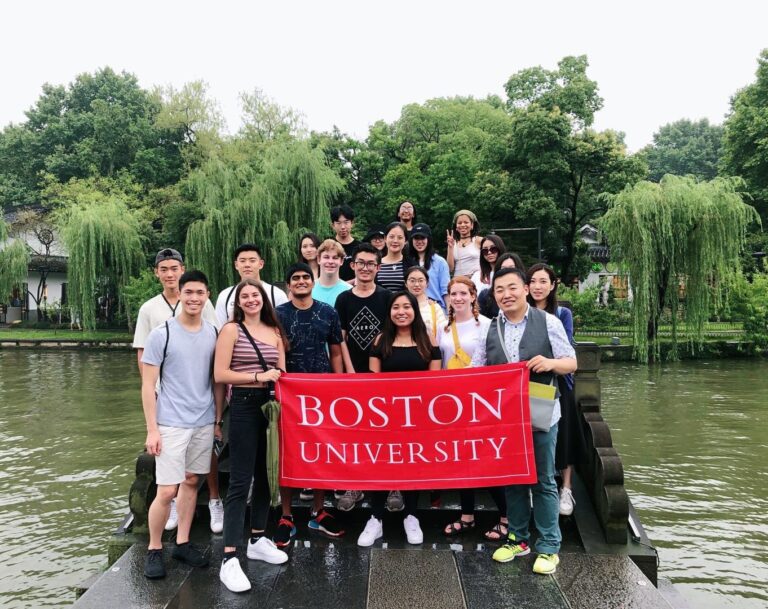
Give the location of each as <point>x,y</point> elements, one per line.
<point>362,264</point>
<point>489,250</point>
<point>416,281</point>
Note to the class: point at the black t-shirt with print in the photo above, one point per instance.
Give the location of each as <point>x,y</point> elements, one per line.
<point>362,319</point>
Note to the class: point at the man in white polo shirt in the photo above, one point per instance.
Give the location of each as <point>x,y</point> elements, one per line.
<point>248,263</point>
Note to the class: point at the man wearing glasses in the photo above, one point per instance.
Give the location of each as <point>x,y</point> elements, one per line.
<point>342,221</point>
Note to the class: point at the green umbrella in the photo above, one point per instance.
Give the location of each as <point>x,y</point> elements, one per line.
<point>272,411</point>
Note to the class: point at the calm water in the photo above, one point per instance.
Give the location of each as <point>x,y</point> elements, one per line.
<point>693,438</point>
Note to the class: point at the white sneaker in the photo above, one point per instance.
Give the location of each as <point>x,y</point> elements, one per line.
<point>412,530</point>
<point>232,576</point>
<point>373,530</point>
<point>266,550</point>
<point>216,508</point>
<point>566,502</point>
<point>173,519</point>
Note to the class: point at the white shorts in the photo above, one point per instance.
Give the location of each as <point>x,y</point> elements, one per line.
<point>184,450</point>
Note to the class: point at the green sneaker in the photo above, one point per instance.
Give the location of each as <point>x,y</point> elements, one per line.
<point>546,564</point>
<point>511,550</point>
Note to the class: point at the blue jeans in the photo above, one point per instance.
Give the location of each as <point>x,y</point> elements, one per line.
<point>546,501</point>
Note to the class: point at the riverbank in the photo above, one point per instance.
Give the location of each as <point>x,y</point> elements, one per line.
<point>114,340</point>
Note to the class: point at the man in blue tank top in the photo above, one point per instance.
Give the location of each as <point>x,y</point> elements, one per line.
<point>524,333</point>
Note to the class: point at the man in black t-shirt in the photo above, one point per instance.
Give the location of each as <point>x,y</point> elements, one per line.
<point>342,221</point>
<point>362,310</point>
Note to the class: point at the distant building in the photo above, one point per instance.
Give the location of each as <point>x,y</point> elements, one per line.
<point>46,284</point>
<point>603,273</point>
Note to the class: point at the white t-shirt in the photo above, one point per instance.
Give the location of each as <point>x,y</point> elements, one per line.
<point>157,311</point>
<point>470,333</point>
<point>225,303</point>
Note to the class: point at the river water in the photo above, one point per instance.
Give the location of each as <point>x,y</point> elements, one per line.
<point>693,437</point>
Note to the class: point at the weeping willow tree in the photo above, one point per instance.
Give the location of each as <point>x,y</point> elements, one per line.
<point>271,206</point>
<point>104,246</point>
<point>14,262</point>
<point>677,233</point>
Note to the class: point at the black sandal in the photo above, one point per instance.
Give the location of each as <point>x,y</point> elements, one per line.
<point>458,527</point>
<point>498,532</point>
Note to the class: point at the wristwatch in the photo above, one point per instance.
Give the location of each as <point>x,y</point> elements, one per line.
<point>220,423</point>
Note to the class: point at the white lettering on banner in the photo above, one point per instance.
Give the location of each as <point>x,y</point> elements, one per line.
<point>398,453</point>
<point>397,411</point>
<point>359,409</point>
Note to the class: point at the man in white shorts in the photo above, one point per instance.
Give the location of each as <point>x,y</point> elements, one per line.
<point>169,266</point>
<point>181,417</point>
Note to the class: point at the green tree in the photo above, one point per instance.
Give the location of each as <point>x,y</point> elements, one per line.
<point>677,232</point>
<point>568,89</point>
<point>745,141</point>
<point>14,261</point>
<point>685,148</point>
<point>265,120</point>
<point>271,206</point>
<point>103,238</point>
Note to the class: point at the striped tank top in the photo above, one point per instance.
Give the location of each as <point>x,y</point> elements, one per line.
<point>245,358</point>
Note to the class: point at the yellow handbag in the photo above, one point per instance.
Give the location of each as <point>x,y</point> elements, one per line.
<point>460,359</point>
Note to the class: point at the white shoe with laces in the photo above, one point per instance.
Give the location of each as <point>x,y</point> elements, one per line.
<point>232,576</point>
<point>216,508</point>
<point>413,530</point>
<point>266,550</point>
<point>173,518</point>
<point>373,530</point>
<point>566,502</point>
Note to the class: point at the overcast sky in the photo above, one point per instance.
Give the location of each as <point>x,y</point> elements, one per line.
<point>354,62</point>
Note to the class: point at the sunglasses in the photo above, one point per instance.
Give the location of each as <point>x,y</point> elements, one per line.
<point>489,250</point>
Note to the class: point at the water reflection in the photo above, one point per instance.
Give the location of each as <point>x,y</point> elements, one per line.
<point>694,443</point>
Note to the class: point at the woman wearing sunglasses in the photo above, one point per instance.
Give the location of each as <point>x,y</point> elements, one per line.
<point>490,249</point>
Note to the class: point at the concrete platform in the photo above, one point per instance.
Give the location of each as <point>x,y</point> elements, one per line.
<point>441,573</point>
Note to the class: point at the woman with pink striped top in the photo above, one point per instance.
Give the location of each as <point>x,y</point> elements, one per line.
<point>254,336</point>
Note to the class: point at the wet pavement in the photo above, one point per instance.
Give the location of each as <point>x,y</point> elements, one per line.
<point>456,573</point>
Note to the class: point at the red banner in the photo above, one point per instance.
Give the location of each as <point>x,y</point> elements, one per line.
<point>407,431</point>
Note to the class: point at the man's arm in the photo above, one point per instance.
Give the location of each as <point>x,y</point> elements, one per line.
<point>149,378</point>
<point>563,359</point>
<point>337,358</point>
<point>346,358</point>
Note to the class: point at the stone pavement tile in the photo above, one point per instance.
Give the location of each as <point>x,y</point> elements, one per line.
<point>426,579</point>
<point>204,589</point>
<point>321,576</point>
<point>124,585</point>
<point>606,582</point>
<point>491,585</point>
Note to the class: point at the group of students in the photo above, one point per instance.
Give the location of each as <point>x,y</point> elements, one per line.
<point>397,311</point>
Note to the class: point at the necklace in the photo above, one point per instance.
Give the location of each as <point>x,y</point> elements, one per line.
<point>463,239</point>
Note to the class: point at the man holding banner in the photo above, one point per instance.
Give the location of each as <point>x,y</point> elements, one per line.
<point>522,333</point>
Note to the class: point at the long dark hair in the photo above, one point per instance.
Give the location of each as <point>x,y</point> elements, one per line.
<point>267,314</point>
<point>551,304</point>
<point>419,333</point>
<point>485,266</point>
<point>428,253</point>
<point>315,241</point>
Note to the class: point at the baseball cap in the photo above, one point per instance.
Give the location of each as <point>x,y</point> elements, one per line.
<point>421,230</point>
<point>168,254</point>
